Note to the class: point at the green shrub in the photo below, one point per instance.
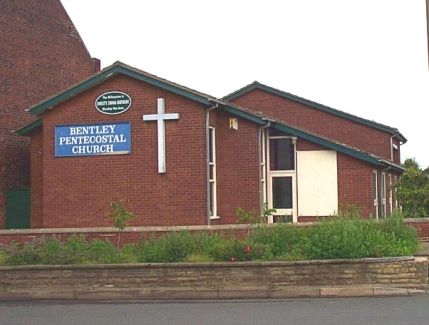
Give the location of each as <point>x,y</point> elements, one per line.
<point>281,239</point>
<point>174,247</point>
<point>76,250</point>
<point>358,238</point>
<point>26,254</point>
<point>198,258</point>
<point>3,257</point>
<point>337,237</point>
<point>231,250</point>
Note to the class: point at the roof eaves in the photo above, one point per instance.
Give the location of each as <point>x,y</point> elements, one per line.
<point>27,129</point>
<point>392,165</point>
<point>73,91</point>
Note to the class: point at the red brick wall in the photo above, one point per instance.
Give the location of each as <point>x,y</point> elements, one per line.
<point>355,184</point>
<point>36,147</point>
<point>77,191</point>
<point>237,167</point>
<point>303,145</point>
<point>316,121</point>
<point>41,53</point>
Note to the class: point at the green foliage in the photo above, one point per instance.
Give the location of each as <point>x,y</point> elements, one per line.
<point>3,257</point>
<point>198,258</point>
<point>337,237</point>
<point>413,190</point>
<point>252,217</point>
<point>121,216</point>
<point>247,217</point>
<point>358,238</point>
<point>174,247</point>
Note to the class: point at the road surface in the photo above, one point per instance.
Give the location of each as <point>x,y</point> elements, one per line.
<point>349,311</point>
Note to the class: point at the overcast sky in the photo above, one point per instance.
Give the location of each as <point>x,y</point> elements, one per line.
<point>365,57</point>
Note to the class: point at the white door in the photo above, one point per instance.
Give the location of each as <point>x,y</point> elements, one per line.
<point>282,178</point>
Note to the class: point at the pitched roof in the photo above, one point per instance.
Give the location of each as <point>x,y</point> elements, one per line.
<point>111,71</point>
<point>207,100</point>
<point>256,85</point>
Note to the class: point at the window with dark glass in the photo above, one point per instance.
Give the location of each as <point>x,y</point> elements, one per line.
<point>282,192</point>
<point>282,154</point>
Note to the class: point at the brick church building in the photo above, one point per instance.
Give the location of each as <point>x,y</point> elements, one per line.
<point>181,157</point>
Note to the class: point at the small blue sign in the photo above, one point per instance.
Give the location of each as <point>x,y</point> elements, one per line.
<point>92,139</point>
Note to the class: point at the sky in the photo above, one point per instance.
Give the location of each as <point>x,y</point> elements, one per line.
<point>364,57</point>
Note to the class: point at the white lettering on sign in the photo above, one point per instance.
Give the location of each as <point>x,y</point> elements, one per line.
<point>92,139</point>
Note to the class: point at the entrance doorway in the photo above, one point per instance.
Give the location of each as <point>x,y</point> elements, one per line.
<point>18,209</point>
<point>281,175</point>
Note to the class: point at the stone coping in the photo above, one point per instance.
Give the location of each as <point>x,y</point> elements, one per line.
<point>217,264</point>
<point>37,231</point>
<point>416,220</point>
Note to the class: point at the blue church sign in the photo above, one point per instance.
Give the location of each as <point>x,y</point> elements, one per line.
<point>92,139</point>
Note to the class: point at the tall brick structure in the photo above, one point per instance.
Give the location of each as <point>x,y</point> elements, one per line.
<point>41,53</point>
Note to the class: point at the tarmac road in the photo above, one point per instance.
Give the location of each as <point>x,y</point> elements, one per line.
<point>412,310</point>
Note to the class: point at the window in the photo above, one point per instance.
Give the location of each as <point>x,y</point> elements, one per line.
<point>282,153</point>
<point>281,175</point>
<point>282,192</point>
<point>212,174</point>
<point>262,167</point>
<point>396,194</point>
<point>375,193</point>
<point>390,194</point>
<point>383,195</point>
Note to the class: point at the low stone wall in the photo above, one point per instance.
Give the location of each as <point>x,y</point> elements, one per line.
<point>209,280</point>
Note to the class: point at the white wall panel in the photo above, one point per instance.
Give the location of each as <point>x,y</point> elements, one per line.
<point>317,183</point>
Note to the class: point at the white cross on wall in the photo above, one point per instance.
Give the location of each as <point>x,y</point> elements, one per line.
<point>160,119</point>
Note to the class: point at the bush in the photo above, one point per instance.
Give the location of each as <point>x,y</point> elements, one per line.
<point>174,247</point>
<point>281,241</point>
<point>3,257</point>
<point>232,250</point>
<point>358,238</point>
<point>337,237</point>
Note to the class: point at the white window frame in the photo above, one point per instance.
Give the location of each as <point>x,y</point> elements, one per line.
<point>390,194</point>
<point>383,195</point>
<point>281,173</point>
<point>375,189</point>
<point>396,194</point>
<point>212,180</point>
<point>263,168</point>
